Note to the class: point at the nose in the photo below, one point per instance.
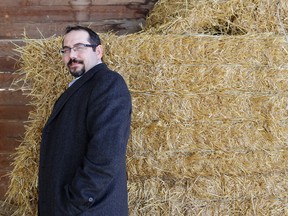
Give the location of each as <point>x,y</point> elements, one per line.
<point>72,54</point>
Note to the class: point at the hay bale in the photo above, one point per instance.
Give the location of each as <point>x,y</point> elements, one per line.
<point>216,17</point>
<point>259,50</point>
<point>209,126</point>
<point>6,209</point>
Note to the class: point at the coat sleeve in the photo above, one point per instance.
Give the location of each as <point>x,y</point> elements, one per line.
<point>104,165</point>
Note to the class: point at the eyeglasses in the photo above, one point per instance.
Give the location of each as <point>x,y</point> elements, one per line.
<point>76,48</point>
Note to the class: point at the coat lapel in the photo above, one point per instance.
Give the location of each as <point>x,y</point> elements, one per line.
<point>68,93</point>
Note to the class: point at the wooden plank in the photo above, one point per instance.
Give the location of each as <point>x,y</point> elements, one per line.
<point>12,112</point>
<point>117,2</point>
<point>8,55</point>
<point>13,98</point>
<point>11,134</point>
<point>128,14</point>
<point>67,13</point>
<point>4,183</point>
<point>7,3</point>
<point>18,3</point>
<point>11,129</point>
<point>5,168</point>
<point>9,145</point>
<point>8,63</point>
<point>16,30</point>
<point>7,47</point>
<point>5,161</point>
<point>7,79</point>
<point>93,2</point>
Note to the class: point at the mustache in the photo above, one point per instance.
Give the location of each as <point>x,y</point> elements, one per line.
<point>75,61</point>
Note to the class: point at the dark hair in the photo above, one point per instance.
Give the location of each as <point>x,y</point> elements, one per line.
<point>93,36</point>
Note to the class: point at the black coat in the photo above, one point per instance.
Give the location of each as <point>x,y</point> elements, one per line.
<point>83,150</point>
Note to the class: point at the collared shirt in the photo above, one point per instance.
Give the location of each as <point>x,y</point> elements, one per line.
<point>71,83</point>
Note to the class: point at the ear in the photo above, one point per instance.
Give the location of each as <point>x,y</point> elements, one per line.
<point>99,51</point>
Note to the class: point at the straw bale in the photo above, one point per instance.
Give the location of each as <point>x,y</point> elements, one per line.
<point>169,50</point>
<point>219,195</point>
<point>203,149</point>
<point>6,209</point>
<point>209,124</point>
<point>216,17</point>
<point>198,77</point>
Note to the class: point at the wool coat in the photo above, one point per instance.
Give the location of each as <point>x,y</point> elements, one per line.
<point>82,168</point>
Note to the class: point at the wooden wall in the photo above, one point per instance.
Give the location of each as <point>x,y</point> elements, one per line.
<point>49,17</point>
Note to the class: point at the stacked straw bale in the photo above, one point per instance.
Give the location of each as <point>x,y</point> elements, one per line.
<point>209,130</point>
<point>231,17</point>
<point>209,126</point>
<point>209,133</point>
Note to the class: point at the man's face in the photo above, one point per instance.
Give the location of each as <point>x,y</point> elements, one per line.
<point>80,59</point>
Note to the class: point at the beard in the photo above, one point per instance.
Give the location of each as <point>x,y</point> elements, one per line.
<point>73,70</point>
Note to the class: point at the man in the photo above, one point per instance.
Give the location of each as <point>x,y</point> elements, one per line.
<point>83,149</point>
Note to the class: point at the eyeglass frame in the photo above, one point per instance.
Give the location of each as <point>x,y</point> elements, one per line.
<point>75,48</point>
